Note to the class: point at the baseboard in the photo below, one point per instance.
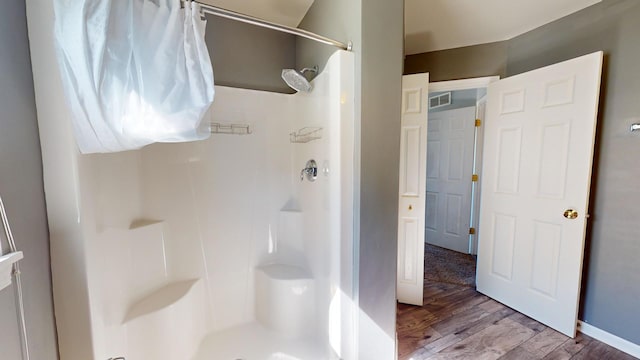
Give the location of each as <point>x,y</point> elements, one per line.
<point>609,339</point>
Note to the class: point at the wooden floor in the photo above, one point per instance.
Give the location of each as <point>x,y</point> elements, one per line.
<point>457,322</point>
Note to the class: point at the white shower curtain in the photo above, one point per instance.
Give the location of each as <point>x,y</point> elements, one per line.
<point>134,71</point>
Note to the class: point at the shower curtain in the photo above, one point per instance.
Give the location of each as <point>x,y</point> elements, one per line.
<point>134,71</point>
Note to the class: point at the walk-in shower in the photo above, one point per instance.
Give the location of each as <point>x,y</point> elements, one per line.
<point>192,250</point>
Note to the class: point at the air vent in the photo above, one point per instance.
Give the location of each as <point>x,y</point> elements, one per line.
<point>437,101</point>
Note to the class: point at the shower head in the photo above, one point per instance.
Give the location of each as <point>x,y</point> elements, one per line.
<point>296,79</point>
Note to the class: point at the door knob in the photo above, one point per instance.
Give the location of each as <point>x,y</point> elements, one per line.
<point>410,207</point>
<point>570,214</point>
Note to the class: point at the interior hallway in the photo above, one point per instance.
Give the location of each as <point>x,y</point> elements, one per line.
<point>457,322</point>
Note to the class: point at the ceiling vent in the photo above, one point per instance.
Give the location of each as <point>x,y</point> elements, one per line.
<point>441,100</point>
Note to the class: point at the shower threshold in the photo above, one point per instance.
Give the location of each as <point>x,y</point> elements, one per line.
<point>253,341</point>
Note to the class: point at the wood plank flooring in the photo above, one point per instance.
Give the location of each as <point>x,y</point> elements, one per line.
<point>456,322</point>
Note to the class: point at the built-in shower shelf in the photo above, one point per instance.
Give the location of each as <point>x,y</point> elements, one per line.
<point>159,300</point>
<point>291,211</point>
<point>305,135</point>
<point>168,323</point>
<point>141,223</point>
<point>230,129</point>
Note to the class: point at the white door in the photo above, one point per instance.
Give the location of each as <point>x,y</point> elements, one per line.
<point>413,152</point>
<point>449,170</point>
<point>538,151</point>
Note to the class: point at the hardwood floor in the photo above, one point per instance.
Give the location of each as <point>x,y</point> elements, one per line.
<point>456,322</point>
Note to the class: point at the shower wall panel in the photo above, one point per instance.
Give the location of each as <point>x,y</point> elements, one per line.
<point>327,203</point>
<point>236,202</point>
<point>224,199</point>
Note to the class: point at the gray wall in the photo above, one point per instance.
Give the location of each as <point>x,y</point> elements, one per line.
<point>336,19</point>
<point>249,57</point>
<point>382,58</point>
<point>22,190</point>
<point>378,51</point>
<point>611,278</point>
<point>460,63</point>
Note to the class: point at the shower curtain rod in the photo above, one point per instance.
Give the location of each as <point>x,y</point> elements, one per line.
<point>213,10</point>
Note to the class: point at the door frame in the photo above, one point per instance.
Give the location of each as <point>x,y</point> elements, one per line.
<point>469,84</point>
<point>462,84</point>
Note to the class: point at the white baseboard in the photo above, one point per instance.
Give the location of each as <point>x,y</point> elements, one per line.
<point>609,339</point>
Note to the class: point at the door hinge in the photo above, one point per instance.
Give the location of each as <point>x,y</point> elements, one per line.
<point>472,231</point>
<point>474,177</point>
<point>478,122</point>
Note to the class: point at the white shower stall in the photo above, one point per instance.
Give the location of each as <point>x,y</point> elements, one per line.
<point>213,249</point>
<point>223,237</point>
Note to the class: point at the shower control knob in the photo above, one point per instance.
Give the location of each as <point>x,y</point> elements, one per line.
<point>310,171</point>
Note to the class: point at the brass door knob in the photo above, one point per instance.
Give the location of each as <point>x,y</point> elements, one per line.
<point>410,207</point>
<point>570,214</point>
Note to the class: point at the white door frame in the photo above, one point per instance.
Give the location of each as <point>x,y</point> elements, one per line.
<point>469,84</point>
<point>478,147</point>
<point>464,84</point>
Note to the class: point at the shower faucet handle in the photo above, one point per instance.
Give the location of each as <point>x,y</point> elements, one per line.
<point>310,170</point>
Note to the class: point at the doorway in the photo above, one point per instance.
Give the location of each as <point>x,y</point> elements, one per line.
<point>423,175</point>
<point>453,150</point>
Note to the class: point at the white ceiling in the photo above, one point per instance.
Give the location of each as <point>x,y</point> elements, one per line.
<point>445,24</point>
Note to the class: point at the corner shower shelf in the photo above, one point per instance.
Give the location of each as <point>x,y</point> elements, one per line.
<point>230,129</point>
<point>305,135</point>
<point>6,265</point>
<point>140,223</point>
<point>161,299</point>
<point>168,323</point>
